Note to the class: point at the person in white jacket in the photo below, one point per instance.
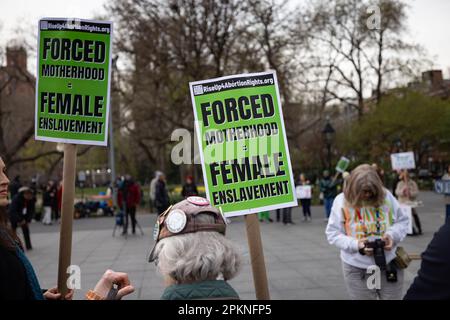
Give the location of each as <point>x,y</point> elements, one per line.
<point>366,209</point>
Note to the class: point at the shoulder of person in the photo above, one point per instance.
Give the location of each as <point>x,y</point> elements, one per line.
<point>339,200</point>
<point>390,199</point>
<point>441,237</point>
<point>388,194</point>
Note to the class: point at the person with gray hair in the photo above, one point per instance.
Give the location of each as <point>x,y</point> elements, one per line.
<point>192,253</point>
<point>367,224</point>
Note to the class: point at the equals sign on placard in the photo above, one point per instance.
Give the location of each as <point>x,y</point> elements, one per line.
<point>69,85</point>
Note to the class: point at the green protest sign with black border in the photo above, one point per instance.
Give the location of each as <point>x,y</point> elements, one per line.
<point>243,146</point>
<point>73,81</point>
<point>342,164</point>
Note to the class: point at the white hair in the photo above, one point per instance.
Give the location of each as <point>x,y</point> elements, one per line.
<point>198,256</point>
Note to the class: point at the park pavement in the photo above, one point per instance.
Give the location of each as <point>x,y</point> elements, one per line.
<point>300,262</point>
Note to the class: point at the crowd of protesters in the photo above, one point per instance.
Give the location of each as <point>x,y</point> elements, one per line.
<point>196,260</point>
<point>130,195</point>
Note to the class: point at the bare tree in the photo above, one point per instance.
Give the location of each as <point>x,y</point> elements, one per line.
<point>270,26</point>
<point>17,93</point>
<point>324,53</point>
<point>362,53</point>
<point>166,45</point>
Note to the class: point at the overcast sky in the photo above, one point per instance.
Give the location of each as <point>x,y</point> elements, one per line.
<point>429,21</point>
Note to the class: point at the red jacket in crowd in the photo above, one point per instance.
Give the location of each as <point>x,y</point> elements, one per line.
<point>133,196</point>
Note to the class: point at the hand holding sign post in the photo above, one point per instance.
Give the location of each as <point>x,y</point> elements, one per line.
<point>72,102</point>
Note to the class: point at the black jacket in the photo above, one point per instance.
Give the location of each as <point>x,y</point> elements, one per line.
<point>16,209</point>
<point>189,190</point>
<point>161,195</point>
<point>13,278</point>
<point>433,280</point>
<point>14,187</point>
<point>49,198</point>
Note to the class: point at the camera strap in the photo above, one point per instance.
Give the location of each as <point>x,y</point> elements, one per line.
<point>378,224</point>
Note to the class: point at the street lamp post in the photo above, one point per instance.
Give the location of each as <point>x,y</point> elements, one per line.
<point>111,158</point>
<point>328,132</point>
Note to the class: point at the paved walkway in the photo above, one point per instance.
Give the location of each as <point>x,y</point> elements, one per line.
<point>300,262</point>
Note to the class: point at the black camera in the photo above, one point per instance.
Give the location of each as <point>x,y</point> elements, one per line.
<point>377,244</point>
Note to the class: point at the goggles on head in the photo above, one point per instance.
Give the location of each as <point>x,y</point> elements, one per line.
<point>182,218</point>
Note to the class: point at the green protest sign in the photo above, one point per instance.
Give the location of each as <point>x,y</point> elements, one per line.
<point>243,146</point>
<point>73,80</point>
<point>342,164</point>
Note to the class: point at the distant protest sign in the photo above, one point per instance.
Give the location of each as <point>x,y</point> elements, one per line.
<point>342,165</point>
<point>303,192</point>
<point>403,160</point>
<point>442,186</point>
<point>243,146</point>
<point>73,81</point>
<point>81,176</point>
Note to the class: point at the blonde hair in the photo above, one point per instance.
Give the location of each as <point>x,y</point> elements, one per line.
<point>362,179</point>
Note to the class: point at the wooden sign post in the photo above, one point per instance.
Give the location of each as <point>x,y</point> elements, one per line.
<point>72,107</point>
<point>257,257</point>
<point>65,242</point>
